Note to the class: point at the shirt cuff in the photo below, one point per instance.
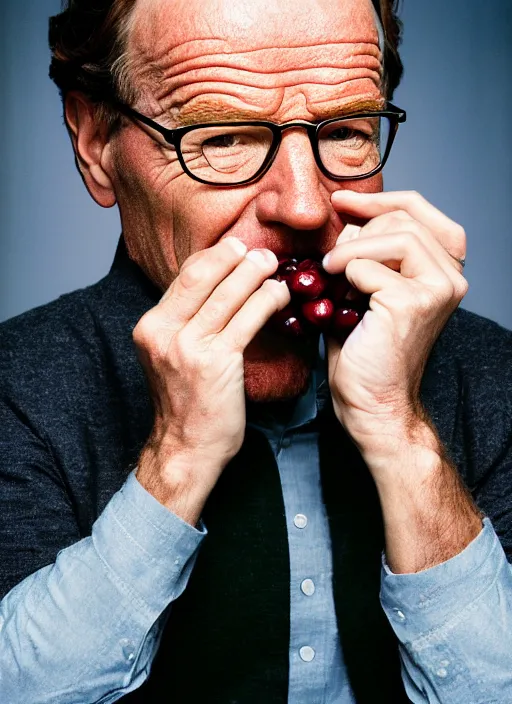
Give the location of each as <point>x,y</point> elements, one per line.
<point>423,601</point>
<point>150,550</point>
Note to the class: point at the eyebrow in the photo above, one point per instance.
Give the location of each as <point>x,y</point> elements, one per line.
<point>214,111</point>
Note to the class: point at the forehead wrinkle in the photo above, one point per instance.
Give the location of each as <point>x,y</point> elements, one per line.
<point>199,52</point>
<point>159,54</point>
<point>177,92</point>
<point>274,62</point>
<point>363,82</point>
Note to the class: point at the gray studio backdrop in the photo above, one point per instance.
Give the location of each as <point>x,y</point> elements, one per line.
<point>455,149</point>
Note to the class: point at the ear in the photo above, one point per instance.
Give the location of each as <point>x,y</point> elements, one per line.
<point>90,139</point>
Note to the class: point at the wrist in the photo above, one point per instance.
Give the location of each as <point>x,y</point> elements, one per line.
<point>391,444</point>
<point>429,515</point>
<point>175,478</point>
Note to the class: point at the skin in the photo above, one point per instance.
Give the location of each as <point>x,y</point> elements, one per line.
<point>202,347</point>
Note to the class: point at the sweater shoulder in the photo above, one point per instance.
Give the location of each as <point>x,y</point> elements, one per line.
<point>56,333</point>
<point>481,347</point>
<point>51,357</point>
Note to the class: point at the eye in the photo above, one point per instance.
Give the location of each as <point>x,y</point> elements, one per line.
<point>344,134</point>
<point>222,141</point>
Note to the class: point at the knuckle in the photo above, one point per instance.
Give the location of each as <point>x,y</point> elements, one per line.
<point>190,261</point>
<point>460,287</point>
<point>192,276</point>
<point>274,293</point>
<point>145,331</point>
<point>459,237</point>
<point>427,298</point>
<point>211,315</point>
<point>402,215</point>
<point>414,196</point>
<point>397,219</point>
<point>352,268</point>
<point>409,238</point>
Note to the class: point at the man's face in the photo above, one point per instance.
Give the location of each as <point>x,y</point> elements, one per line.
<point>212,60</point>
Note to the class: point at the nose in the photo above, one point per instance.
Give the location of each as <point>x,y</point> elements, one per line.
<point>294,192</point>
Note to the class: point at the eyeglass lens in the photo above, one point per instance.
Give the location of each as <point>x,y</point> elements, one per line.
<point>231,154</point>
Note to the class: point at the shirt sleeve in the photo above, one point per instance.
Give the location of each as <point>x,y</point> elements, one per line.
<point>87,627</point>
<point>454,625</point>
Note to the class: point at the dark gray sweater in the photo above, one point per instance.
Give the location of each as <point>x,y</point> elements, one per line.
<point>75,413</point>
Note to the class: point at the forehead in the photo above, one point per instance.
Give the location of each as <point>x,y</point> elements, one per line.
<point>261,47</point>
<point>160,25</point>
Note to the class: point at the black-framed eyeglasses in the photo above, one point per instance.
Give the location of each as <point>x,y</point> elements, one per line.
<point>346,148</point>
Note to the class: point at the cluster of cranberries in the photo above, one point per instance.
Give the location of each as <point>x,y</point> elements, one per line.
<point>320,301</point>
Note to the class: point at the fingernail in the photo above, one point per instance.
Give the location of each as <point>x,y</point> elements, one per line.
<point>326,259</point>
<point>262,257</point>
<point>349,232</point>
<point>237,245</point>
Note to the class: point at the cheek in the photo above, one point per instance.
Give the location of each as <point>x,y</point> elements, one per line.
<point>203,214</point>
<point>369,185</point>
<point>173,208</point>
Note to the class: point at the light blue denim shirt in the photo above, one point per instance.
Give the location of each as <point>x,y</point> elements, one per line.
<point>63,644</point>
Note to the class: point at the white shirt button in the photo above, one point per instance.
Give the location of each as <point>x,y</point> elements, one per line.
<point>300,520</point>
<point>286,442</point>
<point>307,653</point>
<point>308,587</point>
<point>442,672</point>
<point>400,615</point>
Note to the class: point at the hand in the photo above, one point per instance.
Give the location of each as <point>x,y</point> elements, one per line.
<point>191,346</point>
<point>406,259</point>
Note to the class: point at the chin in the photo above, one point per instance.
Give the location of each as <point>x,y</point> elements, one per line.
<point>277,369</point>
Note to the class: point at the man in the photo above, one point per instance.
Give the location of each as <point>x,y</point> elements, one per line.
<point>216,512</point>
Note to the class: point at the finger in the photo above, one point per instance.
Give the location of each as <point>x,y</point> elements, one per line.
<point>199,276</point>
<point>349,232</point>
<point>231,294</point>
<point>257,310</point>
<point>369,276</point>
<point>401,222</point>
<point>371,205</point>
<point>412,257</point>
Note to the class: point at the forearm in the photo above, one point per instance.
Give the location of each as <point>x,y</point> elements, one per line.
<point>429,516</point>
<point>88,625</point>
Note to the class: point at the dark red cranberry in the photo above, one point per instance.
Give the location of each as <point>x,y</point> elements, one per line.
<point>308,284</point>
<point>293,326</point>
<point>287,267</point>
<point>284,261</point>
<point>279,318</point>
<point>308,265</point>
<point>318,312</point>
<point>345,318</point>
